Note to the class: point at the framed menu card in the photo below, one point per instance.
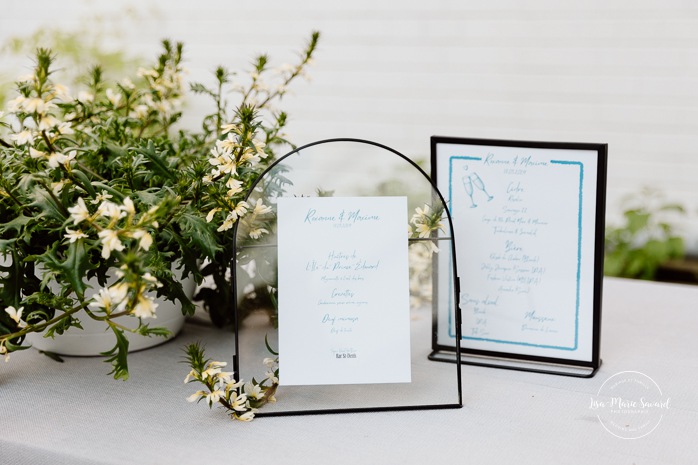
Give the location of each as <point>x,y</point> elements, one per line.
<point>529,223</point>
<point>344,309</point>
<point>333,280</point>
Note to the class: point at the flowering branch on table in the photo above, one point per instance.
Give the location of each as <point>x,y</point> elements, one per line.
<point>241,400</point>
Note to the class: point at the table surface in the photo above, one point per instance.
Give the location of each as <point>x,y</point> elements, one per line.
<point>73,413</point>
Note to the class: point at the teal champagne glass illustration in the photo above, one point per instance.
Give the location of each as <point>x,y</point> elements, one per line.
<point>468,184</point>
<point>480,185</point>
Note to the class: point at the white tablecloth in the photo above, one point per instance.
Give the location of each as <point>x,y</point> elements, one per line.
<point>73,413</point>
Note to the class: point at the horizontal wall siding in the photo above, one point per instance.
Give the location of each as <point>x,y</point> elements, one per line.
<point>618,71</point>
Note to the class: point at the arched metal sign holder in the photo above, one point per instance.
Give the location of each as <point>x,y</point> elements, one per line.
<point>283,303</point>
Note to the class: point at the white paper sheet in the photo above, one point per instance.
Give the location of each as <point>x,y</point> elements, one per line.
<point>343,290</point>
<point>525,227</point>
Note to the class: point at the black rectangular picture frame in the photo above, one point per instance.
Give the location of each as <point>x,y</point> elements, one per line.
<point>526,358</point>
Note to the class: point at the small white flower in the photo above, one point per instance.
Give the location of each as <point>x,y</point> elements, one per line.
<point>128,206</point>
<point>23,137</point>
<point>192,375</point>
<point>226,128</point>
<point>422,212</point>
<point>118,293</point>
<point>196,396</point>
<point>139,112</point>
<point>65,128</point>
<point>269,362</point>
<point>145,240</point>
<point>271,376</point>
<point>254,391</point>
<point>34,105</point>
<point>16,104</point>
<point>56,159</point>
<point>101,197</point>
<point>257,233</point>
<point>152,279</point>
<point>423,229</point>
<point>62,92</point>
<point>228,144</point>
<point>227,223</point>
<point>74,235</point>
<point>210,215</point>
<point>86,97</point>
<point>214,396</point>
<point>57,187</point>
<point>232,385</point>
<point>241,208</point>
<point>47,122</point>
<point>234,186</point>
<point>142,72</point>
<point>249,416</point>
<point>102,299</point>
<point>226,377</point>
<point>110,241</point>
<point>79,212</point>
<point>113,97</point>
<point>16,315</point>
<point>259,147</point>
<point>110,210</point>
<point>126,83</point>
<point>145,307</point>
<point>260,208</point>
<point>33,153</point>
<point>240,403</point>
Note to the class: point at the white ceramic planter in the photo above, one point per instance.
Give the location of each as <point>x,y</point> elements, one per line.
<point>96,337</point>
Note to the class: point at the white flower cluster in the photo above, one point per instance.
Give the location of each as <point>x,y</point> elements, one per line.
<point>238,397</point>
<point>227,157</point>
<point>106,220</point>
<point>424,221</point>
<point>34,119</point>
<point>166,89</point>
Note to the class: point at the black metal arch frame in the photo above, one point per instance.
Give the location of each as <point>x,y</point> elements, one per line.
<point>457,311</point>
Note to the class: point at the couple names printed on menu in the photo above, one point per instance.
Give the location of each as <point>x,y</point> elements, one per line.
<point>525,222</point>
<point>343,290</point>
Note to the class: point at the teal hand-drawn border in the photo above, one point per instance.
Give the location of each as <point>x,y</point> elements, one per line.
<point>574,347</point>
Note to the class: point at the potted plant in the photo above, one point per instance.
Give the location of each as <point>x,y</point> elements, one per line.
<point>106,205</point>
<point>646,239</point>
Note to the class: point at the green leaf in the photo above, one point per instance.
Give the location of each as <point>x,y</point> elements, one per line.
<point>637,220</point>
<point>16,224</point>
<point>47,205</point>
<point>201,233</point>
<point>85,182</point>
<point>118,355</point>
<point>266,343</point>
<point>74,268</point>
<point>676,247</point>
<point>145,330</point>
<point>159,164</point>
<point>116,193</point>
<point>62,326</point>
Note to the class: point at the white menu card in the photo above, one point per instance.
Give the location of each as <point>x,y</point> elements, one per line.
<point>343,290</point>
<point>526,220</point>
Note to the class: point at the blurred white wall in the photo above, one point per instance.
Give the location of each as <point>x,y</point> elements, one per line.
<point>623,72</point>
